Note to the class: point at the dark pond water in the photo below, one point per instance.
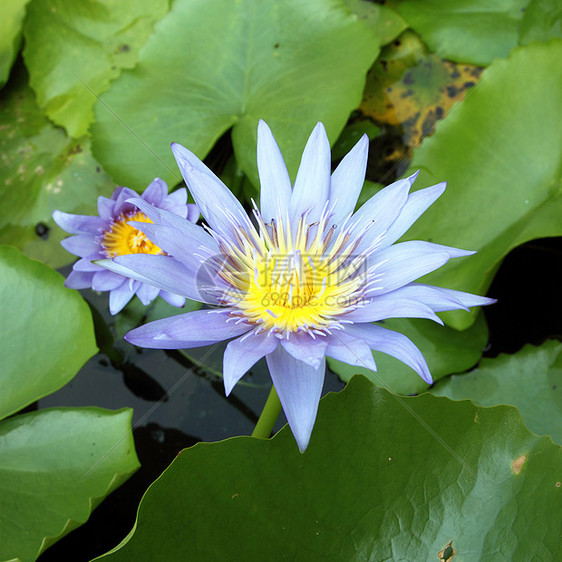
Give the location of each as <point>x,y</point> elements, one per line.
<point>176,404</point>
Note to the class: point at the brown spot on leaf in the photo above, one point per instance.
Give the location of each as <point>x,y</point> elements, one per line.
<point>447,553</point>
<point>518,463</point>
<point>558,484</point>
<point>413,92</point>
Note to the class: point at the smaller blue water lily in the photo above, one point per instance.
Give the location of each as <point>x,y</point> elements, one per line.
<point>304,280</point>
<point>110,235</point>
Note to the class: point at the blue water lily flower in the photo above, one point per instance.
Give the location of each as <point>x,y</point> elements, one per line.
<point>305,279</point>
<point>110,234</point>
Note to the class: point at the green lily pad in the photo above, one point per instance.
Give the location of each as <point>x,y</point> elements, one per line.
<point>384,478</point>
<point>502,158</point>
<point>46,333</point>
<point>12,13</point>
<point>55,467</point>
<point>542,21</point>
<point>384,22</point>
<point>41,170</point>
<point>531,380</point>
<point>446,351</point>
<point>289,62</point>
<point>73,50</point>
<point>473,31</point>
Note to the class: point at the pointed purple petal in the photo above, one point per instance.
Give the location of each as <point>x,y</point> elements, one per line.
<point>347,180</point>
<point>163,272</point>
<point>147,294</point>
<point>299,387</point>
<point>305,348</point>
<point>439,299</point>
<point>405,262</point>
<point>380,211</point>
<point>176,203</point>
<point>186,249</point>
<point>106,280</point>
<point>81,245</point>
<point>120,296</point>
<point>394,344</point>
<point>193,329</point>
<point>393,305</point>
<point>79,224</point>
<point>156,191</point>
<point>312,185</point>
<point>418,202</point>
<point>193,213</point>
<point>216,202</point>
<point>242,353</point>
<point>106,207</point>
<point>194,236</point>
<point>344,347</point>
<point>84,264</point>
<point>121,202</point>
<point>79,280</point>
<point>275,192</point>
<point>174,300</point>
<point>176,198</point>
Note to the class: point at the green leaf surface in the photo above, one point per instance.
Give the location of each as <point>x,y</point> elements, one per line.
<point>384,22</point>
<point>41,170</point>
<point>446,351</point>
<point>289,62</point>
<point>542,21</point>
<point>73,50</point>
<point>384,478</point>
<point>46,333</point>
<point>55,467</point>
<point>12,13</point>
<point>531,380</point>
<point>473,31</point>
<point>502,158</point>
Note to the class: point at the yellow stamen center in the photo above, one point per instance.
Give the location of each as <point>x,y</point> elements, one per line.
<point>287,283</point>
<point>123,239</point>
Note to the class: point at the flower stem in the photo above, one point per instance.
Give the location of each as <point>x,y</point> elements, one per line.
<point>269,416</point>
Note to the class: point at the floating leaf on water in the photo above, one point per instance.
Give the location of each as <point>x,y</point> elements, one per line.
<point>530,380</point>
<point>385,23</point>
<point>57,466</point>
<point>418,470</point>
<point>289,62</point>
<point>466,31</point>
<point>11,22</point>
<point>542,21</point>
<point>41,169</point>
<point>73,51</point>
